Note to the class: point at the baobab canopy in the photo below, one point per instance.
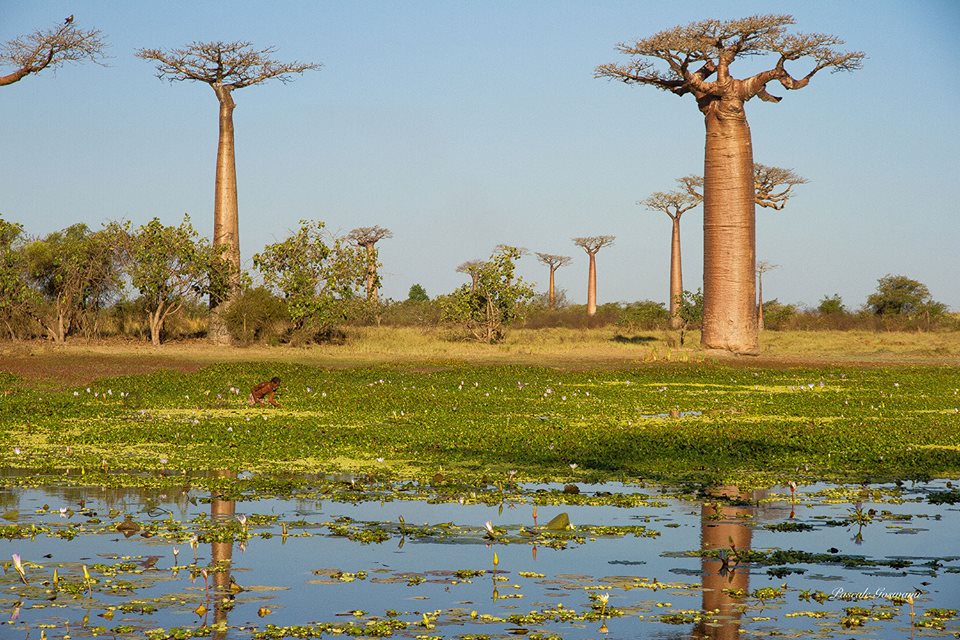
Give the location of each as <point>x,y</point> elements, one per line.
<point>712,45</point>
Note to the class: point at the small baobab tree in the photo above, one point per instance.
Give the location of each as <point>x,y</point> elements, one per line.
<point>772,186</point>
<point>51,48</point>
<point>366,238</point>
<point>696,59</point>
<point>226,67</point>
<point>674,204</point>
<point>762,267</point>
<point>593,244</point>
<point>554,262</point>
<point>471,268</point>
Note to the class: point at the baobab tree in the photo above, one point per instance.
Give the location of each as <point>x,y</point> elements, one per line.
<point>593,244</point>
<point>690,56</point>
<point>554,262</point>
<point>674,204</point>
<point>773,186</point>
<point>366,238</point>
<point>762,267</point>
<point>471,268</point>
<point>50,49</point>
<point>226,67</point>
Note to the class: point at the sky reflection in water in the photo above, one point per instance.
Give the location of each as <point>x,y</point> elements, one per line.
<point>292,576</point>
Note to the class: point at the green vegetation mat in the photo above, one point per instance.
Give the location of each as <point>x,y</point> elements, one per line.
<point>668,423</point>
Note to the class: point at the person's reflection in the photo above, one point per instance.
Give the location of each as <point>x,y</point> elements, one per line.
<point>723,525</point>
<point>221,553</point>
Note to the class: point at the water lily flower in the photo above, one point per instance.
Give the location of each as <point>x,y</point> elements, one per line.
<point>491,532</point>
<point>16,450</point>
<point>18,565</point>
<point>573,465</point>
<point>496,559</point>
<point>380,460</point>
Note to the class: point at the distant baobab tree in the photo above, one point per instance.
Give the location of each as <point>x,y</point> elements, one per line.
<point>773,186</point>
<point>554,262</point>
<point>471,268</point>
<point>50,49</point>
<point>691,55</point>
<point>226,67</point>
<point>674,204</point>
<point>366,238</point>
<point>762,267</point>
<point>593,244</point>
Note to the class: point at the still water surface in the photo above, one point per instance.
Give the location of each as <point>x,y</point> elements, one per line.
<point>432,569</point>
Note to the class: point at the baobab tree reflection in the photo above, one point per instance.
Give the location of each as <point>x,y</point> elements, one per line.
<point>221,558</point>
<point>724,524</point>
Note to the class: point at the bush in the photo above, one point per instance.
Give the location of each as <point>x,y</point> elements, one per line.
<point>776,314</point>
<point>643,316</point>
<point>256,315</point>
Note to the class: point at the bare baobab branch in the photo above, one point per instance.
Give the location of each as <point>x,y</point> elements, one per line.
<point>593,244</point>
<point>50,49</point>
<point>367,236</point>
<point>773,185</point>
<point>233,65</point>
<point>673,203</point>
<point>697,59</point>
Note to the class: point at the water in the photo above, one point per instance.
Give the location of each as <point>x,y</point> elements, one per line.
<point>431,567</point>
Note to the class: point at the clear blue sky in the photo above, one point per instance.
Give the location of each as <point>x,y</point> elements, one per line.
<point>463,124</point>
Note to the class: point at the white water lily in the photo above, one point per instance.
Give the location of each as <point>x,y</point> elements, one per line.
<point>18,565</point>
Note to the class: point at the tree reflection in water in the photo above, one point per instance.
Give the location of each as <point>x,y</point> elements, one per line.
<point>725,523</point>
<point>221,554</point>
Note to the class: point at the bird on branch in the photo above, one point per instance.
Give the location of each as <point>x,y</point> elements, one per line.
<point>69,19</point>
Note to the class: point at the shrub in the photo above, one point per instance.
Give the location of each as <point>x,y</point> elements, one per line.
<point>643,316</point>
<point>256,315</point>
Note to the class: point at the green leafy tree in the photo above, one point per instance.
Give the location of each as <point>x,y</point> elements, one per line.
<point>900,295</point>
<point>15,293</point>
<point>417,294</point>
<point>76,271</point>
<point>316,276</point>
<point>831,305</point>
<point>169,266</point>
<point>690,311</point>
<point>495,297</point>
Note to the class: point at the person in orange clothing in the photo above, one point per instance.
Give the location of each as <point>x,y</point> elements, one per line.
<point>265,391</point>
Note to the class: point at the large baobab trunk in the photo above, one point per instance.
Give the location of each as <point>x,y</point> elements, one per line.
<point>592,286</point>
<point>226,226</point>
<point>676,277</point>
<point>729,230</point>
